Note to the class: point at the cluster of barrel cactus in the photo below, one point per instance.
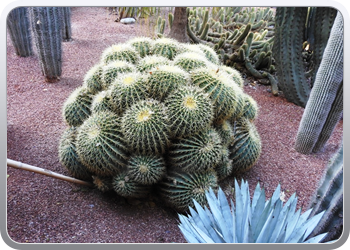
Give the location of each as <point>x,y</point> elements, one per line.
<point>159,115</point>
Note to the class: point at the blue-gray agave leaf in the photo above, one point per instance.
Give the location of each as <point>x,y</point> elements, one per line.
<point>256,221</point>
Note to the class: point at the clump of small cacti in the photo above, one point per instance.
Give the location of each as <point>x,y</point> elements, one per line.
<point>162,124</point>
<point>239,36</point>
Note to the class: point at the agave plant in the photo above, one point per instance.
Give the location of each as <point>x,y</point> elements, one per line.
<point>258,221</point>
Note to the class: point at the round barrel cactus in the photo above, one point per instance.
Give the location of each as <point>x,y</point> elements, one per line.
<point>162,116</point>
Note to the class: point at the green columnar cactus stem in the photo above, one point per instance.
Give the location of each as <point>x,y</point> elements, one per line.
<point>287,53</point>
<point>333,118</point>
<point>18,27</point>
<point>68,156</point>
<point>170,19</point>
<point>179,189</point>
<point>100,144</point>
<point>323,98</point>
<point>160,26</point>
<point>46,23</point>
<point>320,25</point>
<point>189,110</point>
<point>329,197</point>
<point>146,169</point>
<point>66,26</point>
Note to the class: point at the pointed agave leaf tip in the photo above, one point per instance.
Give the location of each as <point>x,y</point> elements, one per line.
<point>246,222</point>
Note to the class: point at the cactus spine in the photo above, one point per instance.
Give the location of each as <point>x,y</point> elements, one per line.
<point>18,28</point>
<point>325,106</point>
<point>46,24</point>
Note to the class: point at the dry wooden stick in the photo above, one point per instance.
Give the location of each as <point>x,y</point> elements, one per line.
<point>20,165</point>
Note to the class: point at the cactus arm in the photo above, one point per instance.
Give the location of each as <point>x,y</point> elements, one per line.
<point>205,20</point>
<point>327,83</point>
<point>170,19</point>
<point>244,34</point>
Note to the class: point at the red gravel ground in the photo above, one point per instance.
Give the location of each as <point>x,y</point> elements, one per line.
<point>41,209</point>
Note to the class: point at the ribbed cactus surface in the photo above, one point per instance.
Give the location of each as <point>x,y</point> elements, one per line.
<point>66,24</point>
<point>325,105</point>
<point>18,28</point>
<point>46,25</point>
<point>160,125</point>
<point>287,47</point>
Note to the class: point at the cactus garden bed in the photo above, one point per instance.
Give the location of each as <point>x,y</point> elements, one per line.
<point>45,210</point>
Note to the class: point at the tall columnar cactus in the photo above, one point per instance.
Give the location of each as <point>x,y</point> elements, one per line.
<point>162,124</point>
<point>287,48</point>
<point>46,24</point>
<point>18,28</point>
<point>329,197</point>
<point>325,106</point>
<point>309,26</point>
<point>66,24</point>
<point>319,24</point>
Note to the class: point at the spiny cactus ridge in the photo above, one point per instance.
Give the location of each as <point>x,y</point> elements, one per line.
<point>18,27</point>
<point>165,124</point>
